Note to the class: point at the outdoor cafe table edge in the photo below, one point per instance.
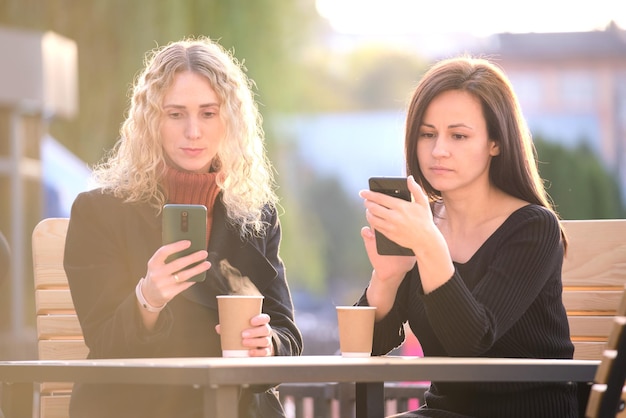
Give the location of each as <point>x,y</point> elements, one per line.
<point>222,377</point>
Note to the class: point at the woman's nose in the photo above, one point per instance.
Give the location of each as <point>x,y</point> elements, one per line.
<point>192,130</point>
<point>440,149</point>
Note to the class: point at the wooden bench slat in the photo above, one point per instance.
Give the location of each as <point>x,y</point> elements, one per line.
<point>48,243</point>
<point>590,327</point>
<point>56,388</point>
<point>50,300</point>
<point>62,349</point>
<point>588,350</point>
<point>51,278</point>
<point>596,300</point>
<point>58,327</point>
<point>57,406</point>
<point>597,253</point>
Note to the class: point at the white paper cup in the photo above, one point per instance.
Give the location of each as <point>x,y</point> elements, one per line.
<point>235,353</point>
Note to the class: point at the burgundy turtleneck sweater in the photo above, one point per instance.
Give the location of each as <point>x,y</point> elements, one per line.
<point>192,189</point>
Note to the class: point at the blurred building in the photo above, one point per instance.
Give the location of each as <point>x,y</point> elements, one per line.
<point>572,87</point>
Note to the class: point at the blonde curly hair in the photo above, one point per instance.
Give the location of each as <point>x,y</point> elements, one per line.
<point>133,169</point>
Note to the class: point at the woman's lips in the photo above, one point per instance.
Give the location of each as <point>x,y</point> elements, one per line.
<point>192,152</point>
<point>440,170</point>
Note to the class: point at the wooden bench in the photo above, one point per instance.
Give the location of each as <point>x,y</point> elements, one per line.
<point>58,330</point>
<point>608,393</point>
<point>594,275</point>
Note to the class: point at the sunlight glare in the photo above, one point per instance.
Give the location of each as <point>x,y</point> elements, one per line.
<point>478,17</point>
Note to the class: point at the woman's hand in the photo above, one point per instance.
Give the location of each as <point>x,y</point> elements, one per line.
<point>409,224</point>
<point>163,280</point>
<point>258,338</point>
<point>405,223</point>
<point>386,267</point>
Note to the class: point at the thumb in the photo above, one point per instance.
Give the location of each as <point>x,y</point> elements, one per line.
<point>369,240</point>
<point>415,189</point>
<point>367,233</point>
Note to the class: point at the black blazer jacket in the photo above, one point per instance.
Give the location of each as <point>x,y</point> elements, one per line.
<point>108,245</point>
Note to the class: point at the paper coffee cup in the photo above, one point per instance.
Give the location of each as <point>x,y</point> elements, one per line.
<point>356,330</point>
<point>235,313</point>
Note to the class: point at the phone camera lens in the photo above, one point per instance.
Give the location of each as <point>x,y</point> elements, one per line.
<point>184,221</point>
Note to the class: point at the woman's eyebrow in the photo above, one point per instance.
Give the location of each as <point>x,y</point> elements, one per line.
<point>179,106</point>
<point>460,125</point>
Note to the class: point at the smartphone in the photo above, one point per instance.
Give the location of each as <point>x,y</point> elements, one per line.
<point>185,222</point>
<point>396,187</point>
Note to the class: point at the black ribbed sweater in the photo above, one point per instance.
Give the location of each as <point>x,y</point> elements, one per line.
<point>506,301</point>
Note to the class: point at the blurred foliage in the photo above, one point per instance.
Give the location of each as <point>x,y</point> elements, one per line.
<point>578,182</point>
<point>317,207</point>
<point>386,77</point>
<point>294,73</point>
<point>113,36</point>
<point>302,245</point>
<point>341,217</point>
<point>368,78</point>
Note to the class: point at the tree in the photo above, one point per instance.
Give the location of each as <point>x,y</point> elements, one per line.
<point>578,183</point>
<point>368,78</point>
<point>113,35</point>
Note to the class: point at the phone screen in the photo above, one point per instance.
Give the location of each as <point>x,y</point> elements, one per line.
<point>185,222</point>
<point>396,187</point>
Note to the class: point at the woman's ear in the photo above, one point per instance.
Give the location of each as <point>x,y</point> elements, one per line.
<point>494,148</point>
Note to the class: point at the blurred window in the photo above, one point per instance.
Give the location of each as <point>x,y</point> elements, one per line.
<point>578,88</point>
<point>529,89</point>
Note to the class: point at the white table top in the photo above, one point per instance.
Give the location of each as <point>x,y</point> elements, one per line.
<point>260,370</point>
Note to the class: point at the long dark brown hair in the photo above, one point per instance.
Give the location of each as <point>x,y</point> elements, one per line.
<point>514,170</point>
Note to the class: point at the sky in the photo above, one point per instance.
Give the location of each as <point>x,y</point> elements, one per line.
<point>475,17</point>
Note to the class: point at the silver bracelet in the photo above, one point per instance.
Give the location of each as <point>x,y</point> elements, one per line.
<point>142,300</point>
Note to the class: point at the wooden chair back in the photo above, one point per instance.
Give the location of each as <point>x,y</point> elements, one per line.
<point>594,275</point>
<point>58,331</point>
<point>608,393</point>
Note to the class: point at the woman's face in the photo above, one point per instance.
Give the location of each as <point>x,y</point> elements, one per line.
<point>453,149</point>
<point>191,128</point>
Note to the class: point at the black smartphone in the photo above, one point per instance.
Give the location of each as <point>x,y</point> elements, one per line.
<point>185,222</point>
<point>396,187</point>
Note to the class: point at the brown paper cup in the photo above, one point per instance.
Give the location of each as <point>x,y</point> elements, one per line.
<point>235,313</point>
<point>356,330</point>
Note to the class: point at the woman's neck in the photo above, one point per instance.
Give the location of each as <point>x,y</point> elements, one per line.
<point>468,211</point>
